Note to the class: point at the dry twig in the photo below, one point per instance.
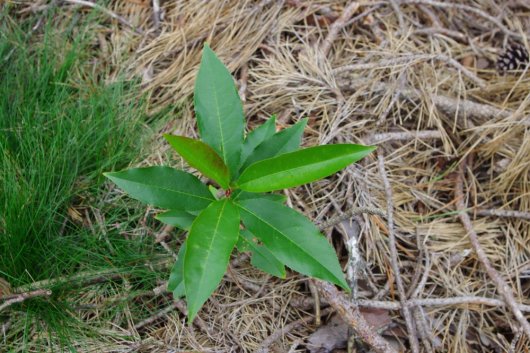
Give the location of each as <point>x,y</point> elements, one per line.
<point>452,301</point>
<point>349,214</point>
<point>499,282</point>
<point>452,106</point>
<point>351,315</point>
<point>409,60</point>
<point>504,214</point>
<point>19,298</point>
<point>337,26</point>
<point>157,16</point>
<point>405,136</point>
<point>243,83</point>
<point>106,11</point>
<point>465,8</point>
<point>394,258</point>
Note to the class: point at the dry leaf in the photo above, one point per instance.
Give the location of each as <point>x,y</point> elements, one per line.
<point>334,335</point>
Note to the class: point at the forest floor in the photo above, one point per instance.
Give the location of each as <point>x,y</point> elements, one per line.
<point>443,255</point>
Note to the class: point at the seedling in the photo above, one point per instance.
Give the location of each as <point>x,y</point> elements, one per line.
<point>247,215</point>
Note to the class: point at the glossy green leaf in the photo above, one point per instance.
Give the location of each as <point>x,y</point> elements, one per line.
<point>176,278</point>
<point>201,157</point>
<point>163,187</point>
<point>256,137</point>
<point>213,190</point>
<point>212,238</point>
<point>285,141</point>
<point>219,110</point>
<point>292,239</point>
<point>300,167</point>
<point>244,195</point>
<point>262,258</point>
<point>177,218</point>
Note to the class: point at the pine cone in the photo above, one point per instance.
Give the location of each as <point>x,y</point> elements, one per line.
<point>515,57</point>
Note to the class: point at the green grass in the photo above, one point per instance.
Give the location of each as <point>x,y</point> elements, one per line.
<point>58,133</point>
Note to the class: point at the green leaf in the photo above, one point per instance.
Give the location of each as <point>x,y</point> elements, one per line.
<point>244,195</point>
<point>219,110</point>
<point>163,187</point>
<point>300,167</point>
<point>201,157</point>
<point>285,141</point>
<point>213,190</point>
<point>262,258</point>
<point>292,239</point>
<point>177,218</point>
<point>176,278</point>
<point>212,238</point>
<point>256,137</point>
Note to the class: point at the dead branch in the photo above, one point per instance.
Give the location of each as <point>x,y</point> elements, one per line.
<point>515,340</point>
<point>164,234</point>
<point>337,26</point>
<point>19,298</point>
<point>499,282</point>
<point>463,300</point>
<point>451,106</point>
<point>504,214</point>
<point>395,7</point>
<point>465,8</point>
<point>106,11</point>
<point>469,300</point>
<point>394,258</point>
<point>409,60</point>
<point>157,16</point>
<point>91,277</point>
<point>243,83</point>
<point>349,214</point>
<point>162,313</point>
<point>405,136</point>
<point>443,31</point>
<point>351,315</point>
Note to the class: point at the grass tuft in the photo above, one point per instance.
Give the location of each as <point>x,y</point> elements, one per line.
<point>58,133</point>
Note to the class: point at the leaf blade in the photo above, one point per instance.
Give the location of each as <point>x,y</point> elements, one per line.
<point>244,195</point>
<point>285,141</point>
<point>218,109</point>
<point>300,167</point>
<point>211,240</point>
<point>256,137</point>
<point>175,284</point>
<point>263,258</point>
<point>292,239</point>
<point>177,218</point>
<point>163,187</point>
<point>201,157</point>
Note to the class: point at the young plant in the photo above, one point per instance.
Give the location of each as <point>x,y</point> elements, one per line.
<point>245,216</point>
